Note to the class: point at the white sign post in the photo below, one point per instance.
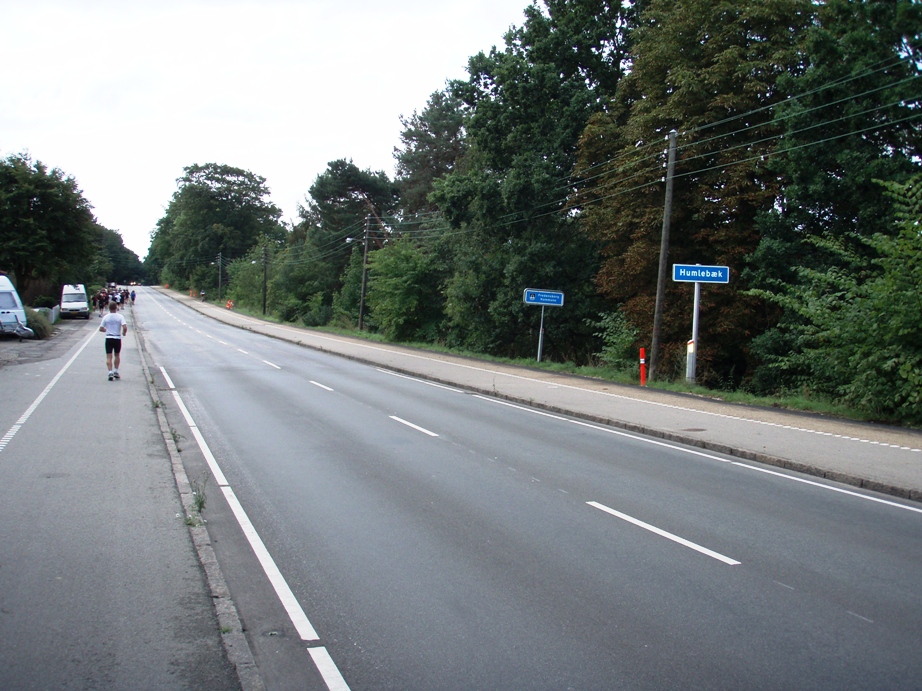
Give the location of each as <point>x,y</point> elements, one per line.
<point>697,274</point>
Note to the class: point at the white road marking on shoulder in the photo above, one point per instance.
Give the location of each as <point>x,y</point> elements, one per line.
<point>279,584</point>
<point>420,381</point>
<point>328,669</point>
<point>169,382</point>
<point>416,427</point>
<point>41,397</point>
<point>870,621</point>
<point>663,533</point>
<point>702,454</point>
<point>288,599</point>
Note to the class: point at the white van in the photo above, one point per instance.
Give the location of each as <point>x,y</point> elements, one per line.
<point>74,302</point>
<point>12,313</point>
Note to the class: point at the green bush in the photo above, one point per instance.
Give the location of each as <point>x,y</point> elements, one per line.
<point>44,301</point>
<point>38,323</point>
<point>860,340</point>
<point>618,338</point>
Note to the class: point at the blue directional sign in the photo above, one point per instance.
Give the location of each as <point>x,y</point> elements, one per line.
<point>550,298</point>
<point>696,273</point>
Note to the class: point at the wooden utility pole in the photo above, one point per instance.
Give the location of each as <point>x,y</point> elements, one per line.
<point>265,275</point>
<point>663,259</point>
<point>364,275</point>
<point>220,259</point>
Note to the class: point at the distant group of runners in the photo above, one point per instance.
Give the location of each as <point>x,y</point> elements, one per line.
<point>104,298</point>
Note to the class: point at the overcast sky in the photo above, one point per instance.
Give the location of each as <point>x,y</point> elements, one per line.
<point>122,95</point>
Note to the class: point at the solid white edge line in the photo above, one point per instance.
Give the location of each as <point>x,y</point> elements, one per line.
<point>521,407</point>
<point>169,382</point>
<point>209,458</point>
<point>663,533</point>
<point>328,669</point>
<point>416,427</point>
<point>182,408</point>
<point>202,444</point>
<point>702,454</point>
<point>419,381</point>
<point>821,485</point>
<point>327,388</point>
<point>654,442</point>
<point>288,599</point>
<point>41,397</point>
<point>271,365</point>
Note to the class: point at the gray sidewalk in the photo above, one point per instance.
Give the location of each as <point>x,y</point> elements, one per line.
<point>878,457</point>
<point>100,586</point>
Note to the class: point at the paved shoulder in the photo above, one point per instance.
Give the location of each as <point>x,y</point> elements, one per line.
<point>99,584</point>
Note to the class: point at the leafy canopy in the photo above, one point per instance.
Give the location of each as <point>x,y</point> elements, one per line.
<point>216,209</point>
<point>46,225</point>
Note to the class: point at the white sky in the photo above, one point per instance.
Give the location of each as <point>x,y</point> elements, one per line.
<point>123,94</point>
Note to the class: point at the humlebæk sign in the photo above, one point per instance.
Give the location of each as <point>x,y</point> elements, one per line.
<point>696,273</point>
<point>550,298</point>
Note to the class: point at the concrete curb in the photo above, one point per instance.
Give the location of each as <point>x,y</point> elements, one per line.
<point>236,646</point>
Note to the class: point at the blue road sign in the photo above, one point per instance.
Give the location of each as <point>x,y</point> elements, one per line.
<point>695,273</point>
<point>550,298</point>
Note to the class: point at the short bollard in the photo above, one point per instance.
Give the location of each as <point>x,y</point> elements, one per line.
<point>643,366</point>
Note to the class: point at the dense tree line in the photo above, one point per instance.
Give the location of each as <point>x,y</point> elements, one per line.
<point>798,151</point>
<point>49,236</point>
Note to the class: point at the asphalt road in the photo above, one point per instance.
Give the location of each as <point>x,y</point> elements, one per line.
<point>100,587</point>
<point>435,539</point>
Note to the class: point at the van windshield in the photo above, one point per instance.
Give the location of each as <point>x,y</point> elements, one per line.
<point>74,297</point>
<point>7,301</point>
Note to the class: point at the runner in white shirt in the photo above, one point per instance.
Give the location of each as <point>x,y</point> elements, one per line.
<point>114,326</point>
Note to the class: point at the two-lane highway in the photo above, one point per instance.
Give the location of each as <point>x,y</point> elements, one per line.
<point>437,539</point>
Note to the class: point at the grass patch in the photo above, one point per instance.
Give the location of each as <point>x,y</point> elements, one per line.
<point>199,499</point>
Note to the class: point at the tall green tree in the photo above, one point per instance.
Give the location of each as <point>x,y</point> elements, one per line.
<point>432,142</point>
<point>709,70</point>
<point>216,209</point>
<point>526,106</point>
<point>47,227</point>
<point>124,265</point>
<point>852,118</point>
<point>406,296</point>
<point>334,222</point>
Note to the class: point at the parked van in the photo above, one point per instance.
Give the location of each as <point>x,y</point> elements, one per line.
<point>12,313</point>
<point>74,302</point>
